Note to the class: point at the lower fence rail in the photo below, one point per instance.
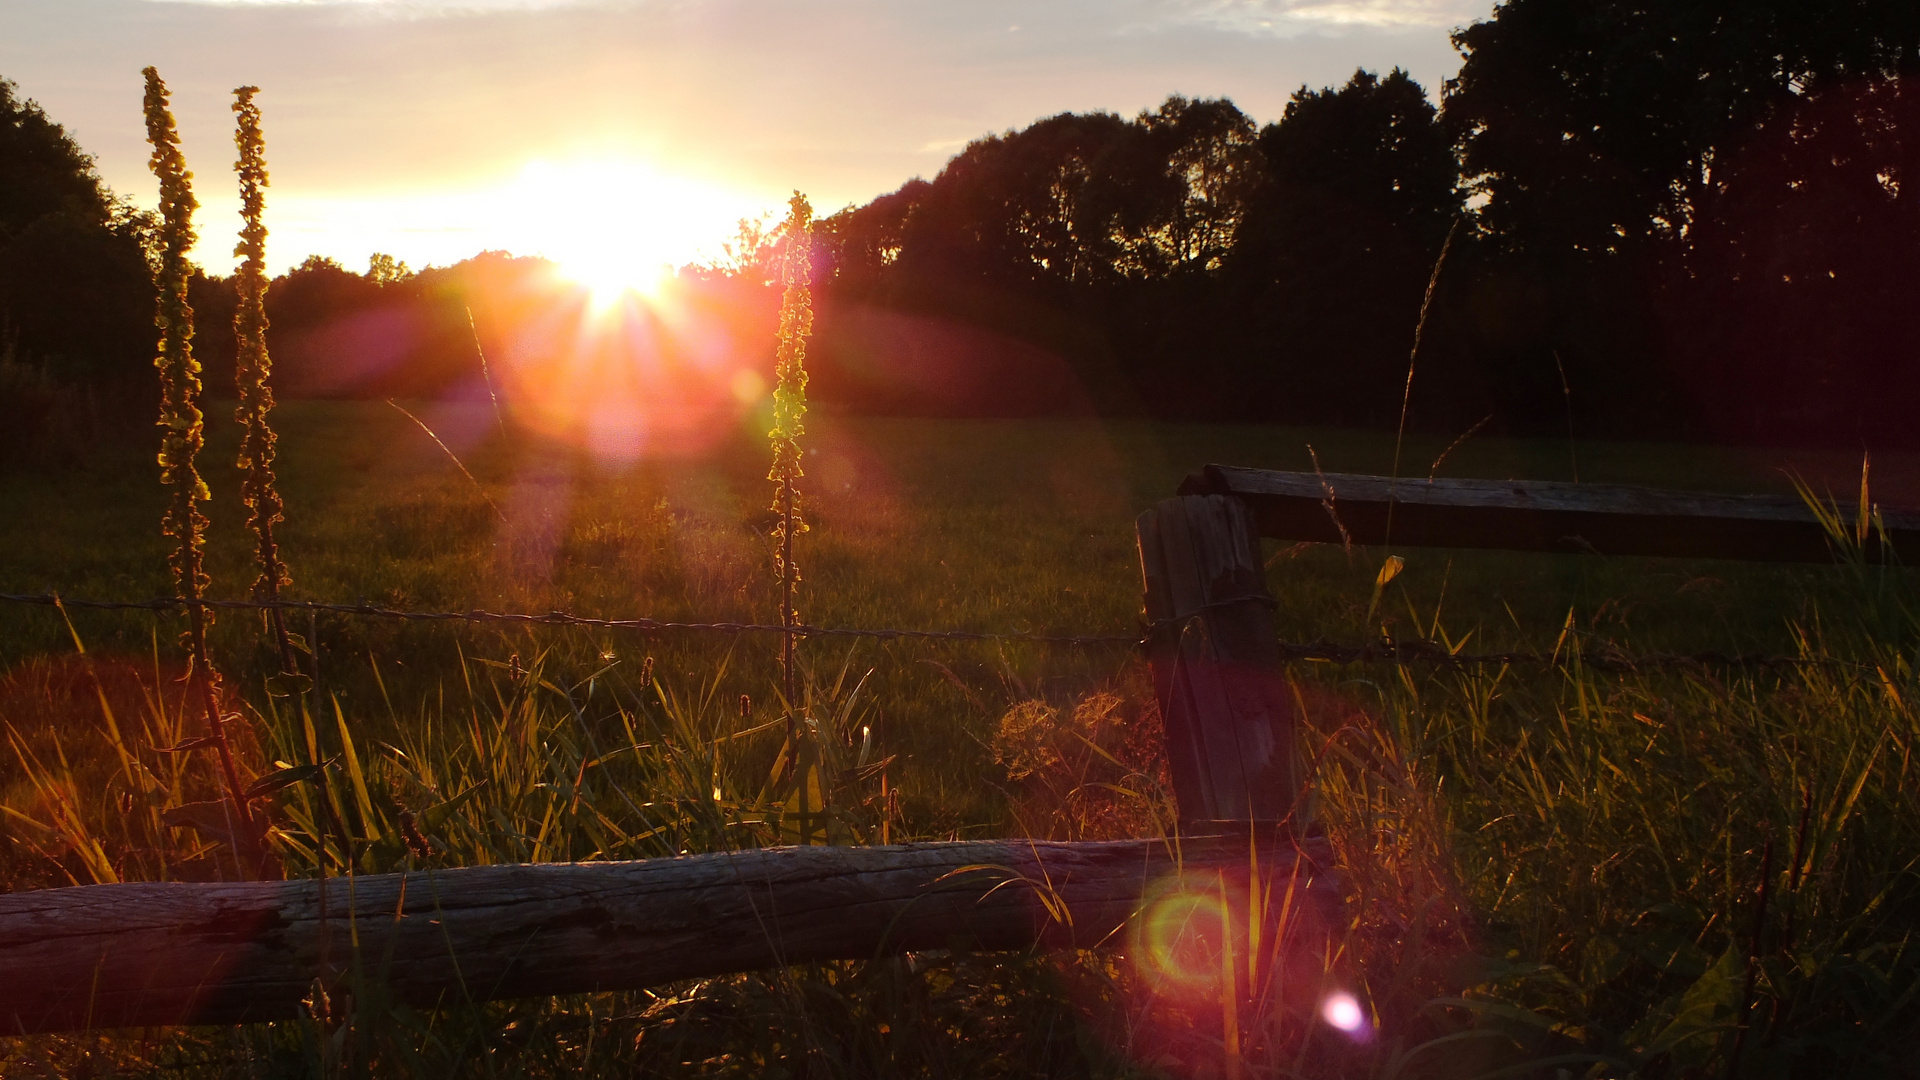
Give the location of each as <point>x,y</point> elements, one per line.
<point>138,954</point>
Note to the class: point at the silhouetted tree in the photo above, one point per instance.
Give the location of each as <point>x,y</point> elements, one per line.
<point>384,269</point>
<point>42,170</point>
<point>214,300</point>
<point>76,296</point>
<point>75,293</point>
<point>860,244</point>
<point>1009,209</point>
<point>1589,125</point>
<point>1174,193</point>
<point>1793,301</point>
<point>1338,246</point>
<point>1091,238</point>
<point>1641,163</point>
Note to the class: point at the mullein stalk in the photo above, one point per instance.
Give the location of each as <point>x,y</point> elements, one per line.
<point>789,410</point>
<point>258,491</point>
<point>182,433</point>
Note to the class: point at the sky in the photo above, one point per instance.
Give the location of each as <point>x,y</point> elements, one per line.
<point>643,130</point>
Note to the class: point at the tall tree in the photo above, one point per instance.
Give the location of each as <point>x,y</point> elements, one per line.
<point>1171,197</point>
<point>1338,245</point>
<point>1009,209</point>
<point>75,299</point>
<point>861,244</point>
<point>1792,301</point>
<point>1686,158</point>
<point>1589,125</point>
<point>42,170</point>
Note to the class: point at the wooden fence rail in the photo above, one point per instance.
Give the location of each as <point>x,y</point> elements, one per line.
<point>102,956</point>
<point>1531,515</point>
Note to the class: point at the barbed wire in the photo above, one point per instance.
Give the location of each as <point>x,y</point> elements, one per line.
<point>563,618</point>
<point>1597,654</point>
<point>1594,653</point>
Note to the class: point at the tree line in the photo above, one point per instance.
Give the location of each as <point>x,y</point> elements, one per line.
<point>1696,219</point>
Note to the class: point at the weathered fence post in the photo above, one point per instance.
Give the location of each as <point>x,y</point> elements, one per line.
<point>1216,664</point>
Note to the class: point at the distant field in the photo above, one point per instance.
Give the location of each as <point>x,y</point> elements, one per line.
<point>1002,526</point>
<point>998,525</point>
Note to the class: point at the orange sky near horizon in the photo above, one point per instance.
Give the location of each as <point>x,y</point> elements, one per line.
<point>586,129</point>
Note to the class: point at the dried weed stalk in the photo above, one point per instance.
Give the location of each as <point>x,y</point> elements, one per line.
<point>252,366</point>
<point>182,434</point>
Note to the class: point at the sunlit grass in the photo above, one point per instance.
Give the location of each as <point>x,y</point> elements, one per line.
<point>1551,864</point>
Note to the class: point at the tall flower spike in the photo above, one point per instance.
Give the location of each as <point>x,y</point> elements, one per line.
<point>181,437</point>
<point>252,366</point>
<point>790,408</point>
<point>181,433</point>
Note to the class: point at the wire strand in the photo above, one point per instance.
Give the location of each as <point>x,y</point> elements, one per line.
<point>1603,656</point>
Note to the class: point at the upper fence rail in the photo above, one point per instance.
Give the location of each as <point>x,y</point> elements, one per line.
<point>1533,515</point>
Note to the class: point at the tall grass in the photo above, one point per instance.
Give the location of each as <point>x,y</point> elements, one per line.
<point>1554,869</point>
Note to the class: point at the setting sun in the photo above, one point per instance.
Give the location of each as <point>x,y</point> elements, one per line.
<point>619,226</point>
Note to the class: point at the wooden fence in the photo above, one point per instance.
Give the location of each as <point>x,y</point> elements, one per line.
<point>138,954</point>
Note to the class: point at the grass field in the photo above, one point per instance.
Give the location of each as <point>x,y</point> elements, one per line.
<point>1552,868</point>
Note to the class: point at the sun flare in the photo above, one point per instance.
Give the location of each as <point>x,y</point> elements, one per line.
<point>652,365</point>
<point>621,227</point>
<point>609,277</point>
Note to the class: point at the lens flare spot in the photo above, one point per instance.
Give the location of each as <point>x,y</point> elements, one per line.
<point>748,386</point>
<point>660,376</point>
<point>1183,935</point>
<point>1343,1011</point>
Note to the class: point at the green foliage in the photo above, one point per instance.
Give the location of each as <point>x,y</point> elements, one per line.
<point>384,269</point>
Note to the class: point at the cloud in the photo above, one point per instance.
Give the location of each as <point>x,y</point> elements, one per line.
<point>1283,17</point>
<point>1257,18</point>
<point>410,8</point>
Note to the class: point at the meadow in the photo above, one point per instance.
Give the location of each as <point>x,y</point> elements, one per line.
<point>1555,866</point>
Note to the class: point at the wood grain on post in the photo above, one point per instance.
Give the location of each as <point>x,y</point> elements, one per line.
<point>1216,663</point>
<point>102,956</point>
<point>1529,515</point>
